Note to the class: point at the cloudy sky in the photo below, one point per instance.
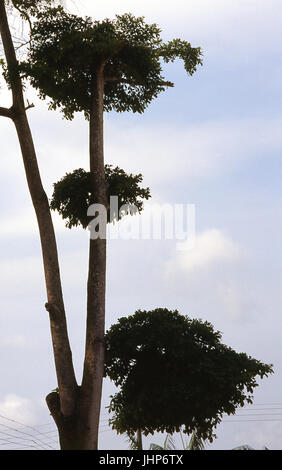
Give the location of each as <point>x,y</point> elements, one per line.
<point>213,141</point>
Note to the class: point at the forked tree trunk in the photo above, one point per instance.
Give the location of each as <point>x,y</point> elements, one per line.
<point>75,410</point>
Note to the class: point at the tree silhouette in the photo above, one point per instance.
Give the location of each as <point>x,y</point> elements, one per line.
<point>174,374</point>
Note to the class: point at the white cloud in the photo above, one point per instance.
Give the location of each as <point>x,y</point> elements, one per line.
<point>18,408</point>
<point>210,247</point>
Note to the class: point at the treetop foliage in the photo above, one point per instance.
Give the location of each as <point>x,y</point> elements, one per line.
<point>173,371</point>
<point>73,194</point>
<point>67,50</point>
<point>32,7</point>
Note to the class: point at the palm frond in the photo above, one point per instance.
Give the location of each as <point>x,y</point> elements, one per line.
<point>155,447</point>
<point>169,443</point>
<point>133,443</point>
<point>243,447</point>
<point>196,442</point>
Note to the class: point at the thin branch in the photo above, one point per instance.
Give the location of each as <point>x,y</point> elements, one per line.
<point>112,79</point>
<point>29,105</point>
<point>132,82</point>
<point>23,15</point>
<point>22,45</point>
<point>11,59</point>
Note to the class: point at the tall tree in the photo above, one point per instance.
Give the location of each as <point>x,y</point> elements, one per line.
<point>89,66</point>
<point>174,374</point>
<point>55,305</point>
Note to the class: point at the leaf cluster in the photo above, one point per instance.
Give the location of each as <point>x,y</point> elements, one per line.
<point>31,7</point>
<point>74,193</point>
<point>66,50</point>
<point>172,371</point>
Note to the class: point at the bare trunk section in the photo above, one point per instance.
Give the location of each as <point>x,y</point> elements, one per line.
<point>139,439</point>
<point>55,305</point>
<point>91,389</point>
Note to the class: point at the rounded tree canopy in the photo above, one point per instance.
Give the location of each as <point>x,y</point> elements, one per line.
<point>73,195</point>
<point>174,371</point>
<point>66,51</point>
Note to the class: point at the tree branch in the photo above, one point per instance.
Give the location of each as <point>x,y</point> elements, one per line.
<point>23,15</point>
<point>53,403</point>
<point>117,50</point>
<point>6,112</point>
<point>29,105</point>
<point>11,59</point>
<point>132,82</point>
<point>22,44</point>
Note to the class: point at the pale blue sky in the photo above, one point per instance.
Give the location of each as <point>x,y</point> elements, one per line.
<point>214,141</point>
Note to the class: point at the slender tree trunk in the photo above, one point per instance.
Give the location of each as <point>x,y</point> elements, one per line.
<point>91,388</point>
<point>139,439</point>
<point>55,305</point>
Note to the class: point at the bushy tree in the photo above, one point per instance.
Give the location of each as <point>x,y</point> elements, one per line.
<point>174,374</point>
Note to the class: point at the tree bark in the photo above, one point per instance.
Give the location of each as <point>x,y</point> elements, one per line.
<point>139,439</point>
<point>91,388</point>
<point>55,305</point>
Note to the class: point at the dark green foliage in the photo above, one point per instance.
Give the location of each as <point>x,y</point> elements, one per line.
<point>31,5</point>
<point>174,371</point>
<point>28,8</point>
<point>73,194</point>
<point>66,50</point>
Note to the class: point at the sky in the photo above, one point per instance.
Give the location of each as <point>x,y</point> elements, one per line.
<point>213,141</point>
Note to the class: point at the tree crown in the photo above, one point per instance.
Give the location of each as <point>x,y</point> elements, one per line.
<point>73,194</point>
<point>66,51</point>
<point>174,371</point>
